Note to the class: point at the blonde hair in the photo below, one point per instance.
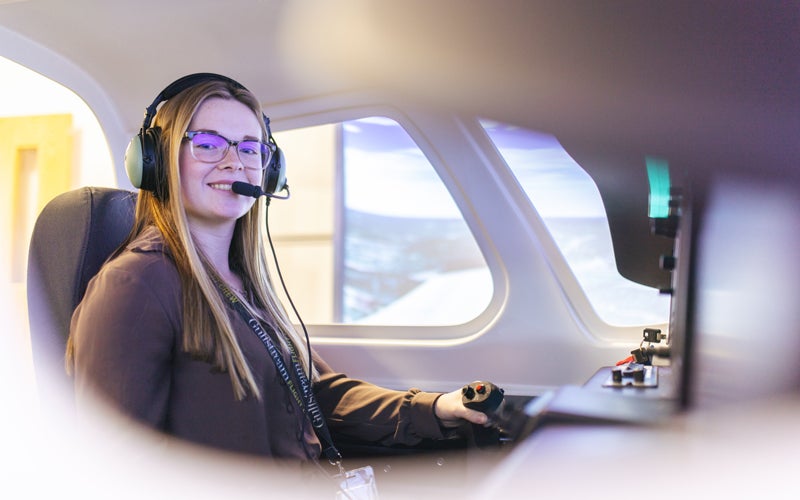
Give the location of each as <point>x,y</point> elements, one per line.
<point>208,333</point>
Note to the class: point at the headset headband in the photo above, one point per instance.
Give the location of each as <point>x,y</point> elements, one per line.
<point>179,86</point>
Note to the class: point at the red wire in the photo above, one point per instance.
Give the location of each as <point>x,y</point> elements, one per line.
<point>625,361</point>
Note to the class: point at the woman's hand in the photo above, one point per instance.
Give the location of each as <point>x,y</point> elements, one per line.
<point>450,411</point>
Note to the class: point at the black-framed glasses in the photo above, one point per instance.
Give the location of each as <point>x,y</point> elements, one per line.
<point>210,147</point>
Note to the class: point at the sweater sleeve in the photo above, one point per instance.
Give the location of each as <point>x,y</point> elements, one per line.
<point>365,411</point>
<point>124,334</point>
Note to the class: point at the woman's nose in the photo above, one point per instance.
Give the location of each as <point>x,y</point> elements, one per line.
<point>231,160</point>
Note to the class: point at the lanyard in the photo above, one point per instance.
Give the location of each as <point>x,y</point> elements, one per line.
<point>305,397</point>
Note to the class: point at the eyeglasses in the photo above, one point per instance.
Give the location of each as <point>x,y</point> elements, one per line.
<point>209,147</point>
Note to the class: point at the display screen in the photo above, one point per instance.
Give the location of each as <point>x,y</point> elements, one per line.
<point>658,176</point>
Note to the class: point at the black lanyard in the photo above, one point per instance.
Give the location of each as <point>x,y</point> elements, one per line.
<point>307,402</point>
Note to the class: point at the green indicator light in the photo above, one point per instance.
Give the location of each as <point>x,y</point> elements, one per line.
<point>658,175</point>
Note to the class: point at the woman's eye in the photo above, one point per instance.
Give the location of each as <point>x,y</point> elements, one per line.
<point>249,149</point>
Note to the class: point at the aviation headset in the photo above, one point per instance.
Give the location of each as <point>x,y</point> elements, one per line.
<point>142,158</point>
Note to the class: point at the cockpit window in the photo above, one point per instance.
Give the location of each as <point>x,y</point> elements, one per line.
<point>385,243</point>
<point>569,203</point>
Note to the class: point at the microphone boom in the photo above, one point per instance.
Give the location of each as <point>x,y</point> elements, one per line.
<point>246,189</point>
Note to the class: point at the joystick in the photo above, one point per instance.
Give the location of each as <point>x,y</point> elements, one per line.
<point>487,398</point>
<point>482,396</point>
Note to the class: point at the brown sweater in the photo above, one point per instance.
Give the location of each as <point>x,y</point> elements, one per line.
<point>127,337</point>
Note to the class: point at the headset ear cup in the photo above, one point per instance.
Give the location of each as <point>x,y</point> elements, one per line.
<point>142,159</point>
<point>143,162</point>
<point>275,175</point>
<point>133,161</point>
<point>152,177</point>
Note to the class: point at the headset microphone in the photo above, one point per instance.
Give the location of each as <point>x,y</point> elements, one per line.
<point>246,189</point>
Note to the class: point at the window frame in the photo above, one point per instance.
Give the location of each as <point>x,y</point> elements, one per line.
<point>468,131</point>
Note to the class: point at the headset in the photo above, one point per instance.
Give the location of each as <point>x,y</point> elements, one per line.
<point>143,159</point>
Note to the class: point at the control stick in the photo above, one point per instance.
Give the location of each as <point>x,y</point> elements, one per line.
<point>487,398</point>
<point>482,396</point>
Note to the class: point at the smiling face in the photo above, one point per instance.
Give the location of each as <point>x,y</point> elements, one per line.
<point>206,187</point>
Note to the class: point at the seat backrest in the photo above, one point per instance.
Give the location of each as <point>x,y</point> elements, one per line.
<point>74,234</point>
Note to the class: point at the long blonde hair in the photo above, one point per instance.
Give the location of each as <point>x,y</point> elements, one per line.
<point>207,330</point>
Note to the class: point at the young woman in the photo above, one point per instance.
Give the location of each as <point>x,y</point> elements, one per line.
<point>182,330</point>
